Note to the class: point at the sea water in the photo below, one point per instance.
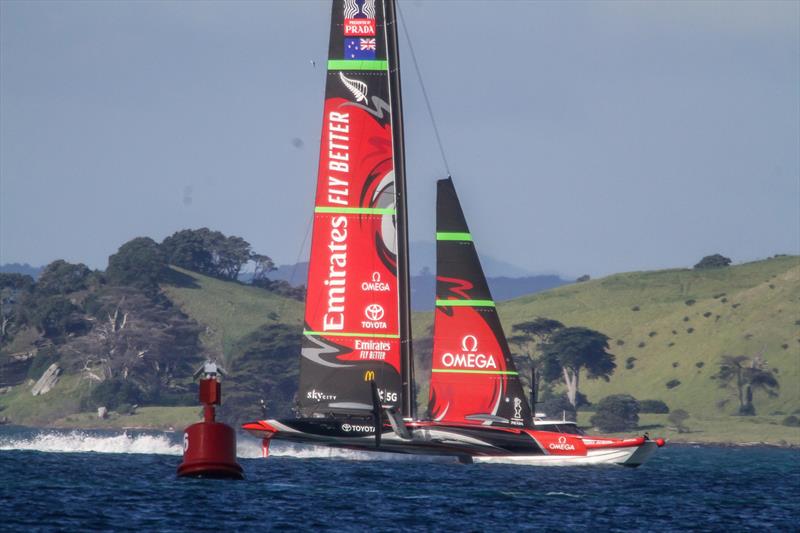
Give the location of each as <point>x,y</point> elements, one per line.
<point>93,480</point>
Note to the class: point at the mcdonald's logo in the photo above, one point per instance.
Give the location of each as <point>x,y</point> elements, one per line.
<point>369,375</point>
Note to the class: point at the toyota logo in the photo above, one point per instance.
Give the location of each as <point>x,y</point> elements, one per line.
<point>374,312</point>
<point>346,427</point>
<point>469,343</point>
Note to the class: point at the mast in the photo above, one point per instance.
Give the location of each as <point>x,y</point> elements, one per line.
<point>403,276</point>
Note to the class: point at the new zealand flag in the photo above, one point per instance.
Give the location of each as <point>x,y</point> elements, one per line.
<point>359,48</point>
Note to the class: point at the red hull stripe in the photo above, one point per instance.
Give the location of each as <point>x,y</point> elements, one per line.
<point>357,64</point>
<point>355,210</point>
<point>333,334</point>
<point>464,303</point>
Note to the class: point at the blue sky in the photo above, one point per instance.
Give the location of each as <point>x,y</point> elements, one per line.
<point>584,137</point>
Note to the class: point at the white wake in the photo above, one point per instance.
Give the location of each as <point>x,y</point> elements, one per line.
<point>77,441</point>
<point>249,448</point>
<point>81,442</point>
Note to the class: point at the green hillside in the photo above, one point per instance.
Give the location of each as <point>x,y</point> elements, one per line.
<point>230,311</point>
<point>678,323</point>
<point>227,312</point>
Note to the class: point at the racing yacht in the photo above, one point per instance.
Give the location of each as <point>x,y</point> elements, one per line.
<point>356,384</point>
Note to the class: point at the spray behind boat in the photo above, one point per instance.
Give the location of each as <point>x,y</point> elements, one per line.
<point>209,447</point>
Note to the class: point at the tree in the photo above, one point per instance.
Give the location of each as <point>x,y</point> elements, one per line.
<point>262,265</point>
<point>12,288</point>
<point>713,261</point>
<point>138,263</point>
<point>618,412</point>
<point>528,337</point>
<point>557,406</point>
<point>678,417</point>
<point>56,317</point>
<point>746,375</point>
<point>60,277</point>
<point>264,366</point>
<point>136,338</point>
<point>570,350</point>
<point>187,249</point>
<point>208,252</point>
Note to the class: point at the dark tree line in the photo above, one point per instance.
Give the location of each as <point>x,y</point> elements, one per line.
<point>116,329</point>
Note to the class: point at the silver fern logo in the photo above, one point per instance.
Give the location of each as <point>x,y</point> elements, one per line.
<point>354,8</point>
<point>358,88</point>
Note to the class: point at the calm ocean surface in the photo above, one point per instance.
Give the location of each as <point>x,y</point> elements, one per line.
<point>79,481</point>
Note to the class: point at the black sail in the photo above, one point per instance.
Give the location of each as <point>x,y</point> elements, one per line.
<point>473,379</point>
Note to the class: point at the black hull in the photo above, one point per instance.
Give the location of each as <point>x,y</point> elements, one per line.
<point>425,438</point>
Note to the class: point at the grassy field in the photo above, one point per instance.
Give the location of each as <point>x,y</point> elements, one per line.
<point>729,429</point>
<point>229,311</point>
<point>145,418</point>
<point>678,323</point>
<point>19,405</point>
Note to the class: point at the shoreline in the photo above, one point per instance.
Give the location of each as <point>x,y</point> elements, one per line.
<point>172,429</point>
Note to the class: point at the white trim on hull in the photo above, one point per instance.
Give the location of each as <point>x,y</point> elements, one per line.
<point>629,456</point>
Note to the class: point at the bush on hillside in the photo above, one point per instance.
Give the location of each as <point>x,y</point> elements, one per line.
<point>791,421</point>
<point>112,393</point>
<point>630,362</point>
<point>653,406</point>
<point>60,277</point>
<point>678,417</point>
<point>618,412</point>
<point>713,261</point>
<point>138,263</point>
<point>559,406</point>
<point>56,316</point>
<point>671,384</point>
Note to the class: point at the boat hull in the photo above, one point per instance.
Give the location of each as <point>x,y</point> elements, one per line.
<point>632,456</point>
<point>485,444</point>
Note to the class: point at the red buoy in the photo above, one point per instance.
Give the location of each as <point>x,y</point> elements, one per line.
<point>209,447</point>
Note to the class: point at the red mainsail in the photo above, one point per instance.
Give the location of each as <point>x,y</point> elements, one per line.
<point>353,319</point>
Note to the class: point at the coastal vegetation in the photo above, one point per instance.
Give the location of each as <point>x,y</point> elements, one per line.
<point>128,339</point>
